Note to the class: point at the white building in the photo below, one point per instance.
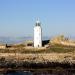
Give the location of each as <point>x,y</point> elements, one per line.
<point>37,35</point>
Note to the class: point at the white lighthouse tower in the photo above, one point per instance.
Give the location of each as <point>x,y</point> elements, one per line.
<point>37,35</point>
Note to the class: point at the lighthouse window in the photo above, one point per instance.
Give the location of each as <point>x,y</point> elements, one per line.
<point>37,24</point>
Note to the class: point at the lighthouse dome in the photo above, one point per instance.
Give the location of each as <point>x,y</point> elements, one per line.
<point>37,23</point>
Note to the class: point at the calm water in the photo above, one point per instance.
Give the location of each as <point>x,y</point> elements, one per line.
<point>12,40</point>
<point>41,72</point>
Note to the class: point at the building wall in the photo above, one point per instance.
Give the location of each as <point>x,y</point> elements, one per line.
<point>37,36</point>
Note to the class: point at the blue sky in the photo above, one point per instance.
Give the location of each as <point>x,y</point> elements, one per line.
<point>18,17</point>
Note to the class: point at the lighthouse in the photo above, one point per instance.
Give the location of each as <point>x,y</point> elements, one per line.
<point>37,35</point>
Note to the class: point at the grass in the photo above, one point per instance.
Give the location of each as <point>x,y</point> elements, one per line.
<point>53,48</point>
<point>61,49</point>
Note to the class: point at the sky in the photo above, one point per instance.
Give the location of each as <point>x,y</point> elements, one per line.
<point>18,17</point>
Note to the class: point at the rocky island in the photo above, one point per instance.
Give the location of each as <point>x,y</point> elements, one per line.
<point>25,56</point>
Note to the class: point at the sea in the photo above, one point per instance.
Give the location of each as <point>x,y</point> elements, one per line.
<point>15,40</point>
<point>42,72</point>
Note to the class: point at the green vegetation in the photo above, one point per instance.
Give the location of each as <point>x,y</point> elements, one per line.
<point>53,48</point>
<point>61,49</point>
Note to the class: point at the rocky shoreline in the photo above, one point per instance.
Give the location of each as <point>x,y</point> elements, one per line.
<point>36,61</point>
